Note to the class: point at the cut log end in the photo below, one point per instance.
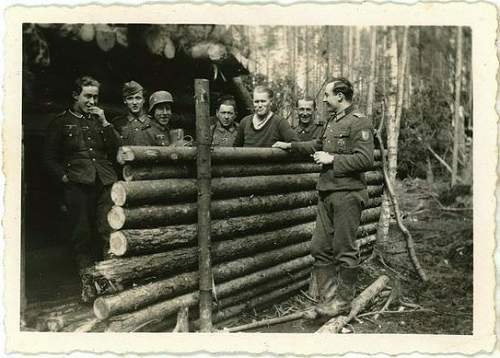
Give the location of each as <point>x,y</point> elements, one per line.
<point>101,309</point>
<point>116,217</point>
<point>118,194</point>
<point>118,244</point>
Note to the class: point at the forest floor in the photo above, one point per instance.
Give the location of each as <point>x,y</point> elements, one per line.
<point>440,222</point>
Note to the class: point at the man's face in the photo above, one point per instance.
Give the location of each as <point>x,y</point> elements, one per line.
<point>261,103</point>
<point>162,113</point>
<point>86,99</point>
<point>225,115</point>
<point>135,102</point>
<point>306,111</point>
<point>330,99</point>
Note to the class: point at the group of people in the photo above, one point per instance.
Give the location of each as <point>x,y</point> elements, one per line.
<point>81,145</point>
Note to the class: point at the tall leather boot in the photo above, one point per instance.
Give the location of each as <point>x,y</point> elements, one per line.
<point>346,290</point>
<point>323,283</point>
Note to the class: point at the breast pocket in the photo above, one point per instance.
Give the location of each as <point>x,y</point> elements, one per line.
<point>71,136</point>
<point>342,140</point>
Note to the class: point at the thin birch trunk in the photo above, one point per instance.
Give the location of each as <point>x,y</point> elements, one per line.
<point>373,61</point>
<point>458,119</point>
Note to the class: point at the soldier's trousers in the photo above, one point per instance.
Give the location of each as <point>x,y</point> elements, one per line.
<point>337,220</point>
<point>87,206</point>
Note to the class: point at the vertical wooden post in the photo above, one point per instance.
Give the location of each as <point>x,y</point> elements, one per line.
<point>457,120</point>
<point>203,164</point>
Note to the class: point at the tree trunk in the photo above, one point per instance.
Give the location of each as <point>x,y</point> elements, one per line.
<point>134,242</point>
<point>179,190</point>
<point>373,65</point>
<point>138,267</point>
<point>458,119</point>
<point>142,296</point>
<point>160,311</point>
<point>162,215</point>
<point>350,54</point>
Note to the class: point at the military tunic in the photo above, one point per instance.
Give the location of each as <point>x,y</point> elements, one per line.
<point>309,132</point>
<point>341,186</point>
<point>128,125</point>
<point>223,137</point>
<point>83,150</point>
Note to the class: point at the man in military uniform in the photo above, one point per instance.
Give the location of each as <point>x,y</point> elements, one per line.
<point>136,116</point>
<point>345,151</point>
<point>155,130</point>
<point>307,129</point>
<point>224,130</point>
<point>79,146</point>
<point>263,128</point>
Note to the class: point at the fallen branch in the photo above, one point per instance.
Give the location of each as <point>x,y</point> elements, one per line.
<point>390,312</point>
<point>308,314</point>
<point>397,212</point>
<point>336,324</point>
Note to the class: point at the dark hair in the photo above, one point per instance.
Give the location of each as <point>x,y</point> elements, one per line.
<point>306,98</point>
<point>342,85</point>
<point>83,82</point>
<point>264,89</point>
<point>227,100</point>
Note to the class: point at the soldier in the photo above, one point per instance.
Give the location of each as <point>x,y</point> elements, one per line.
<point>307,129</point>
<point>224,130</point>
<point>263,128</point>
<point>136,117</point>
<point>79,145</point>
<point>345,151</point>
<point>155,131</point>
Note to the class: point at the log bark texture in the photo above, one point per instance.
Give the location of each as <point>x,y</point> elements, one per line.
<point>132,172</point>
<point>163,215</point>
<point>160,311</point>
<point>142,154</point>
<point>185,190</point>
<point>159,264</point>
<point>142,296</point>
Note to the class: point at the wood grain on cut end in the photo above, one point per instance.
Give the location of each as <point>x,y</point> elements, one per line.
<point>118,244</point>
<point>118,194</point>
<point>116,217</point>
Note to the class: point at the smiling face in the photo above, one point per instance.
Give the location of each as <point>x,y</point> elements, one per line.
<point>306,111</point>
<point>135,103</point>
<point>226,115</point>
<point>162,113</point>
<point>86,99</point>
<point>261,104</point>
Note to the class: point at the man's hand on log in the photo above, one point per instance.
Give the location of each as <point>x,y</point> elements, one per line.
<point>323,158</point>
<point>282,145</point>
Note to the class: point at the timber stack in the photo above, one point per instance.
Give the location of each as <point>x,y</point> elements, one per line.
<point>262,218</point>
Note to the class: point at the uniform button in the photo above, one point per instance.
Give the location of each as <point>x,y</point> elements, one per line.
<point>93,159</point>
<point>89,138</point>
<point>91,149</point>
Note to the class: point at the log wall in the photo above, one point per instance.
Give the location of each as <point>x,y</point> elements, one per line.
<point>262,212</point>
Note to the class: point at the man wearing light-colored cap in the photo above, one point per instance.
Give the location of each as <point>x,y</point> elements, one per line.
<point>136,117</point>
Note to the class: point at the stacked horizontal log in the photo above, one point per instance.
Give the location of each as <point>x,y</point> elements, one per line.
<point>263,211</point>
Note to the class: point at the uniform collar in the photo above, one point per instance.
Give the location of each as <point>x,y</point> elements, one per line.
<point>343,113</point>
<point>220,128</point>
<point>143,118</point>
<point>307,128</point>
<point>158,125</point>
<point>77,115</point>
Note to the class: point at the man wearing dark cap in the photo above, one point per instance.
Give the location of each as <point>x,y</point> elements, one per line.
<point>345,150</point>
<point>136,117</point>
<point>80,145</point>
<point>224,130</point>
<point>307,129</point>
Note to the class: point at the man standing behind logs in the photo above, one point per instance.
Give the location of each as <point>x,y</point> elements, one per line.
<point>263,128</point>
<point>224,130</point>
<point>307,129</point>
<point>79,148</point>
<point>345,151</point>
<point>136,118</point>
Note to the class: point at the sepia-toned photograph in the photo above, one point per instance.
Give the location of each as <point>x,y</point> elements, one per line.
<point>224,178</point>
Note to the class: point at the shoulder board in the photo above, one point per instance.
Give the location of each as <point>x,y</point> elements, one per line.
<point>60,114</point>
<point>357,115</point>
<point>320,124</point>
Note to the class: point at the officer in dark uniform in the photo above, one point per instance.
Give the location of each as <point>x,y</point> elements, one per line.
<point>136,117</point>
<point>307,129</point>
<point>78,150</point>
<point>345,151</point>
